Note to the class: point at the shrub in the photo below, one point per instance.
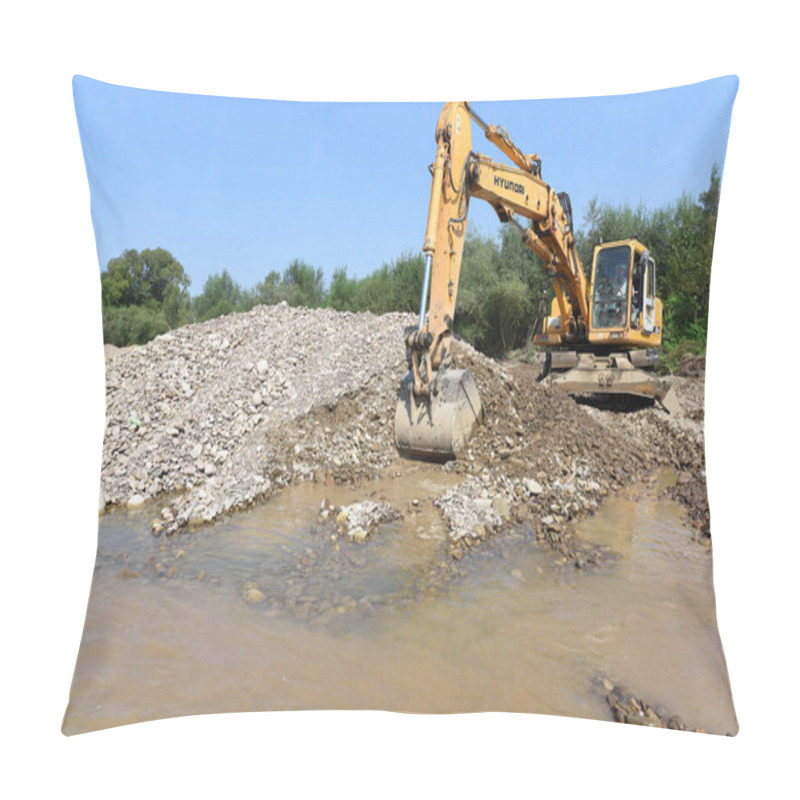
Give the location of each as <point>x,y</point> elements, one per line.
<point>124,325</point>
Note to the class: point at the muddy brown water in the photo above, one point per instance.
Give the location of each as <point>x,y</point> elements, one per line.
<point>392,623</point>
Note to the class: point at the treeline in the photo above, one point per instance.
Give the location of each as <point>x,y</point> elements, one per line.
<point>502,291</point>
<point>146,293</point>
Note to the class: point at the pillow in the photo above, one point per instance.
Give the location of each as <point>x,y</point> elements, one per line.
<point>270,539</point>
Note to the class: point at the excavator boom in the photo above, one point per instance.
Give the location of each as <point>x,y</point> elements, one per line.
<point>439,407</point>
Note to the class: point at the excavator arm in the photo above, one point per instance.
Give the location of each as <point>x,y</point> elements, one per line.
<point>513,192</point>
<point>439,407</point>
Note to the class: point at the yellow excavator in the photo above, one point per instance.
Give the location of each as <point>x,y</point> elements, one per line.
<point>603,330</point>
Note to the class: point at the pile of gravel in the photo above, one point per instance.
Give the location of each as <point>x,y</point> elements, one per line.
<point>215,411</point>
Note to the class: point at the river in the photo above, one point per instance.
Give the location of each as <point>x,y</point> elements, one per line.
<point>265,611</point>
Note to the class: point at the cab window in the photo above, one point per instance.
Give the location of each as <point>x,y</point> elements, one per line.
<point>611,284</point>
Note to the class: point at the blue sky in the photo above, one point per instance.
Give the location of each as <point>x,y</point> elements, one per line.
<point>250,185</point>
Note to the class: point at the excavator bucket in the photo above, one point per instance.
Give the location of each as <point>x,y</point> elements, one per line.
<point>437,427</point>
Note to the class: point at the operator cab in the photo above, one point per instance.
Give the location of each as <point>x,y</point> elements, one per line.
<point>611,287</point>
<point>623,288</point>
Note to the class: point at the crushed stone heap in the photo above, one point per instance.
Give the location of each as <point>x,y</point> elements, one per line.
<point>225,411</point>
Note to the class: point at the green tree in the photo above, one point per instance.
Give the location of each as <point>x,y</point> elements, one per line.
<point>407,274</point>
<point>509,314</point>
<point>221,295</point>
<point>176,306</point>
<point>394,286</point>
<point>607,223</point>
<point>303,285</point>
<point>479,271</point>
<point>502,286</point>
<point>299,285</point>
<point>268,291</point>
<point>143,295</point>
<point>135,278</point>
<point>122,281</point>
<point>342,292</point>
<point>124,325</point>
<point>375,292</point>
<point>162,273</point>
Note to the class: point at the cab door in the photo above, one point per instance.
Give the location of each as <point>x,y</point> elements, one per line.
<point>650,295</point>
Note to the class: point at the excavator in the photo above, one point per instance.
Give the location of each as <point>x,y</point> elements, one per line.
<point>603,331</point>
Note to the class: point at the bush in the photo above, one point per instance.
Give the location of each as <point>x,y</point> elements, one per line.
<point>124,325</point>
<point>221,295</point>
<point>341,296</point>
<point>672,356</point>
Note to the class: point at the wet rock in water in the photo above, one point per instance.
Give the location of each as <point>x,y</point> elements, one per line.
<point>360,520</point>
<point>357,534</point>
<point>469,513</point>
<point>478,532</point>
<point>627,708</point>
<point>129,574</point>
<point>252,594</point>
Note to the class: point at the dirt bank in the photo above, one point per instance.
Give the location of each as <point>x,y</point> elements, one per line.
<point>550,460</point>
<point>213,417</point>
